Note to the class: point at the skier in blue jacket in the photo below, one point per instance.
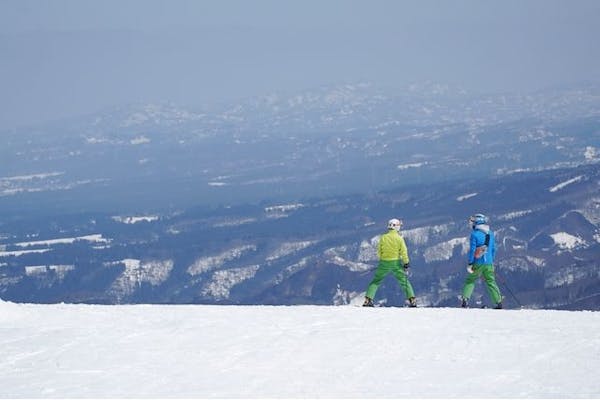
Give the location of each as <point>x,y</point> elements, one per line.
<point>482,249</point>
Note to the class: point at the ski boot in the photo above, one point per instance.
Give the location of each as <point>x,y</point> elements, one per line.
<point>464,303</point>
<point>498,306</point>
<point>412,302</point>
<point>368,302</point>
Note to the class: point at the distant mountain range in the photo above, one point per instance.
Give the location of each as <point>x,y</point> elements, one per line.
<point>336,140</point>
<point>280,200</point>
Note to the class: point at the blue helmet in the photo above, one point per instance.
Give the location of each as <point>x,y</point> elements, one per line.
<point>478,219</point>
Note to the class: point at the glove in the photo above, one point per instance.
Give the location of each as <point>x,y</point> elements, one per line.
<point>406,268</point>
<point>470,268</point>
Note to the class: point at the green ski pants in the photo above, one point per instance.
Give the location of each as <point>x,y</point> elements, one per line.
<point>384,268</point>
<point>487,271</point>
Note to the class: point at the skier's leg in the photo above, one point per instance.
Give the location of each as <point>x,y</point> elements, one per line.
<point>490,282</point>
<point>402,278</point>
<point>470,283</point>
<point>383,268</point>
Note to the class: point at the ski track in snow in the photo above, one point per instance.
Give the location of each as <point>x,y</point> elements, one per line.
<point>56,351</point>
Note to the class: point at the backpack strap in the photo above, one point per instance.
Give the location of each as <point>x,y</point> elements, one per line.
<point>487,239</point>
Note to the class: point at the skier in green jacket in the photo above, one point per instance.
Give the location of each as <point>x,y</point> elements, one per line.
<point>393,257</point>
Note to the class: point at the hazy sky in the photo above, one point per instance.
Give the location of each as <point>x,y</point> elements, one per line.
<point>62,58</point>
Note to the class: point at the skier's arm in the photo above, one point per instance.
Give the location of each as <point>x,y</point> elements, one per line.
<point>403,253</point>
<point>472,247</point>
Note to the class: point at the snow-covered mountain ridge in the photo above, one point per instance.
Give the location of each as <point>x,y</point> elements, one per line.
<point>318,251</point>
<point>75,351</point>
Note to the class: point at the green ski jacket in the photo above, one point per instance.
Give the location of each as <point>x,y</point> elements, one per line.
<point>392,247</point>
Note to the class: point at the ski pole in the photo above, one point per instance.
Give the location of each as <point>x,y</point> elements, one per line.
<point>503,282</point>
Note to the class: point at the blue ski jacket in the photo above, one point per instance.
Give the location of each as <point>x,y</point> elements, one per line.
<point>476,240</point>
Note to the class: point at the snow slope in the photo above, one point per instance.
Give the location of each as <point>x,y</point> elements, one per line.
<point>54,351</point>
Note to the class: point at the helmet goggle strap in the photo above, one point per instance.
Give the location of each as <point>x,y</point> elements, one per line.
<point>477,219</point>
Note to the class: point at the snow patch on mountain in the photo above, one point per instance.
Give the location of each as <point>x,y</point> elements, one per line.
<point>565,276</point>
<point>411,165</point>
<point>422,235</point>
<point>262,181</point>
<point>234,222</point>
<point>139,140</point>
<point>538,262</point>
<point>10,280</point>
<point>344,297</point>
<point>59,270</point>
<point>135,219</point>
<point>223,281</point>
<point>512,215</point>
<point>41,183</point>
<point>283,210</point>
<point>137,272</point>
<point>289,248</point>
<point>565,183</point>
<point>591,211</point>
<point>443,251</point>
<point>566,241</point>
<point>292,269</point>
<point>591,153</point>
<point>466,196</point>
<point>96,238</point>
<point>516,263</point>
<point>333,256</point>
<point>367,251</point>
<point>99,140</point>
<point>30,177</point>
<point>18,253</point>
<point>206,264</point>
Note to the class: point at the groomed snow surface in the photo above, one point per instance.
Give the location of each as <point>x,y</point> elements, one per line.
<point>82,351</point>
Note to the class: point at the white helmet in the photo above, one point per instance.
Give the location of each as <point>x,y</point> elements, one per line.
<point>394,223</point>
